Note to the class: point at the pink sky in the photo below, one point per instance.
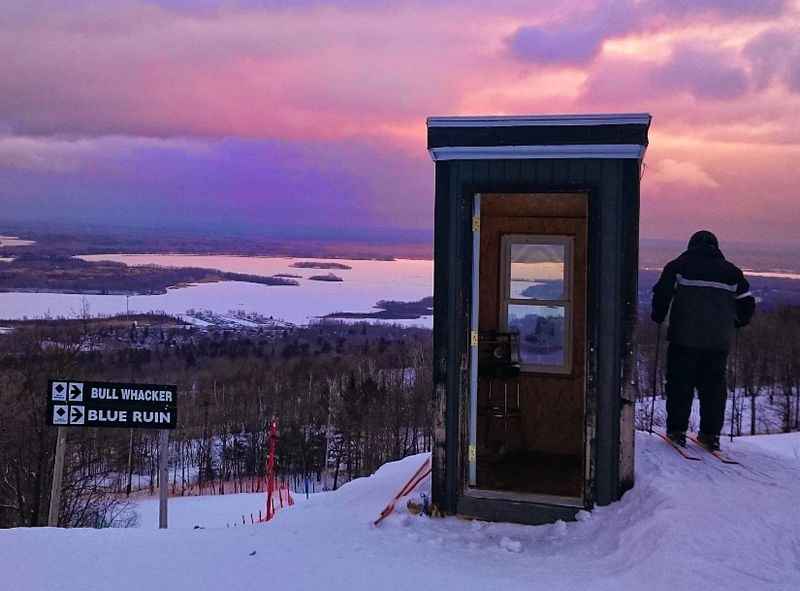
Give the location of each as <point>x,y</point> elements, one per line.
<point>310,120</point>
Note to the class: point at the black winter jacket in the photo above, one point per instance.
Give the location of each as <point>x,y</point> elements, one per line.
<point>709,295</point>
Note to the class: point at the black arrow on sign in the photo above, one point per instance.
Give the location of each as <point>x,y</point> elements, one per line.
<point>76,415</point>
<point>74,392</point>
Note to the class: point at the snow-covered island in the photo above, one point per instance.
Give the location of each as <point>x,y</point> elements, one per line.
<point>321,265</point>
<point>62,274</point>
<point>326,277</point>
<point>390,310</point>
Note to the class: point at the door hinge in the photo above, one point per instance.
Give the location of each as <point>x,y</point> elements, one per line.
<point>476,223</point>
<point>473,338</point>
<point>471,454</point>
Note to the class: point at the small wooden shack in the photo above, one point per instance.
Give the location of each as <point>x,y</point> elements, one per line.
<point>535,289</point>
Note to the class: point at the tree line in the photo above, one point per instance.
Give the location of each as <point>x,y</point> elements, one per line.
<point>763,366</point>
<point>347,398</point>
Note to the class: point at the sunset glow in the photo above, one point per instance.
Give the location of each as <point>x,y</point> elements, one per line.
<point>308,118</point>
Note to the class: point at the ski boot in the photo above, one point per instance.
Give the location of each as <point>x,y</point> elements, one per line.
<point>678,438</point>
<point>710,442</point>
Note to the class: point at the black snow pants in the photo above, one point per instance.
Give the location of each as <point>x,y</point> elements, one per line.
<point>689,368</point>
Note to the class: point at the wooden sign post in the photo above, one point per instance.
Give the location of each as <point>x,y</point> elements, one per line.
<point>163,477</point>
<point>58,476</point>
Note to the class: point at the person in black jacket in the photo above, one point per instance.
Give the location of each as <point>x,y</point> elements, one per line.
<point>710,299</point>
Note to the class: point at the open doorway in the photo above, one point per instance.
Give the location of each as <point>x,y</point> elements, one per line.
<point>528,403</point>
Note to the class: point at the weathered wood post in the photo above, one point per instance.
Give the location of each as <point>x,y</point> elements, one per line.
<point>58,476</point>
<point>163,477</point>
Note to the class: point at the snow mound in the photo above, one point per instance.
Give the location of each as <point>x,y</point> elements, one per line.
<point>685,525</point>
<point>364,498</point>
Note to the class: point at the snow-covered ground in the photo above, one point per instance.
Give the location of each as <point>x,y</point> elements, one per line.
<point>785,445</point>
<point>206,511</point>
<point>686,525</point>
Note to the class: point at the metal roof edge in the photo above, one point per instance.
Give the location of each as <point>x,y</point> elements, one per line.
<point>570,151</point>
<point>540,120</point>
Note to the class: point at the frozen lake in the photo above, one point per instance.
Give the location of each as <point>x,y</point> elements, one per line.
<point>366,283</point>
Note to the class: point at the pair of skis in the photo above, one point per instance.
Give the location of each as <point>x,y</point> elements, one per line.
<point>687,453</point>
<point>409,486</point>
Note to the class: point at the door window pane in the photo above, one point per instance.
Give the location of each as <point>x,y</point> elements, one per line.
<point>537,271</point>
<point>542,331</point>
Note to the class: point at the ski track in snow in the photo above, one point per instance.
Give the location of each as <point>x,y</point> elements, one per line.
<point>685,525</point>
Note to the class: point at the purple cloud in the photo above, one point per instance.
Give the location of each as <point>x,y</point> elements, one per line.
<point>578,39</point>
<point>566,46</point>
<point>703,72</point>
<point>775,55</point>
<point>726,8</point>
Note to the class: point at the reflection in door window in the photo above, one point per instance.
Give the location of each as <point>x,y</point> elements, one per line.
<point>536,299</point>
<point>537,271</point>
<point>542,333</point>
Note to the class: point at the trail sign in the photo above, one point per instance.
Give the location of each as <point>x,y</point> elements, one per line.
<point>111,404</point>
<point>78,403</point>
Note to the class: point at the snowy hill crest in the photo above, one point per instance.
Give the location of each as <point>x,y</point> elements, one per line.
<point>684,525</point>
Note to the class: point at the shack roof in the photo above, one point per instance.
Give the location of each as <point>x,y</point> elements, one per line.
<point>617,135</point>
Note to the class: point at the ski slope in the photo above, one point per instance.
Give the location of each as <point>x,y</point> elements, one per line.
<point>207,511</point>
<point>686,525</point>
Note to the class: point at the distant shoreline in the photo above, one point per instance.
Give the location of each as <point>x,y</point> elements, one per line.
<point>132,241</point>
<point>119,292</point>
<point>30,273</point>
